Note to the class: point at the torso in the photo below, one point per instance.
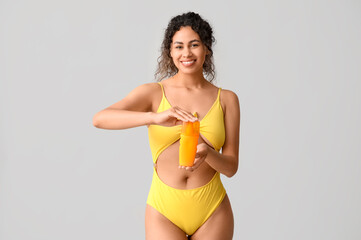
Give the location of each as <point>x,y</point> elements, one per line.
<point>200,101</point>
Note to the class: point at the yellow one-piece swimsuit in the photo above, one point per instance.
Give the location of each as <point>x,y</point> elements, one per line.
<point>187,208</point>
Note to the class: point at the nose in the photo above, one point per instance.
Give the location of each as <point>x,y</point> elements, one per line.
<point>187,52</point>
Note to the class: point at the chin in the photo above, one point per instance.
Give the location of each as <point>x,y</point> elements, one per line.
<point>190,70</point>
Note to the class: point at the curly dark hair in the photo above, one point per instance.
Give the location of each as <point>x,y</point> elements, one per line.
<point>166,67</point>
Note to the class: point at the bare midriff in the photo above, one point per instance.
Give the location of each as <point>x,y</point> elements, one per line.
<point>170,174</point>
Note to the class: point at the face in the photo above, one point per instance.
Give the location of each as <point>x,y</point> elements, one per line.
<point>187,51</point>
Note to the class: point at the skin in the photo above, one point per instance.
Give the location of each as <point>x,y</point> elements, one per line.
<point>187,92</point>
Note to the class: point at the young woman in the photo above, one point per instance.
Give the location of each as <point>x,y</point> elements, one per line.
<point>184,202</point>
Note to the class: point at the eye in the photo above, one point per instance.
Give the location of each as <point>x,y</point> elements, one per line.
<point>195,45</point>
<point>178,47</point>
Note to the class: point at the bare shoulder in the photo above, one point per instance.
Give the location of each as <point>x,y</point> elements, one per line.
<point>152,94</point>
<point>146,91</point>
<point>141,98</point>
<point>147,88</point>
<point>229,95</point>
<point>229,100</point>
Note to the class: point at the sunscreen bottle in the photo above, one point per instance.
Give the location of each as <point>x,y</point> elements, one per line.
<point>188,143</point>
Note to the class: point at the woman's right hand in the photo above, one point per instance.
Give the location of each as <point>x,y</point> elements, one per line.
<point>136,110</point>
<point>172,117</point>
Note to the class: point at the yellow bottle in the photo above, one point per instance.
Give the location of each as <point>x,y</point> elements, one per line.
<point>188,143</point>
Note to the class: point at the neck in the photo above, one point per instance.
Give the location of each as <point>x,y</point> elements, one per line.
<point>189,80</point>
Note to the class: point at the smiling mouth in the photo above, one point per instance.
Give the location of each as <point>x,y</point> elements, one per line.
<point>188,63</point>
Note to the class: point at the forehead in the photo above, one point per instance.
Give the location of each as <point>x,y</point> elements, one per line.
<point>185,34</point>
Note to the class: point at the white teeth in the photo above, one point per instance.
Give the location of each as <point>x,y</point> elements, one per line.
<point>188,62</point>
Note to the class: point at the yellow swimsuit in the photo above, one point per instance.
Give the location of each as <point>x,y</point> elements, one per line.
<point>187,208</point>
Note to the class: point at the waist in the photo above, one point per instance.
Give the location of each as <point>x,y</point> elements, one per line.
<point>180,178</point>
<point>214,182</point>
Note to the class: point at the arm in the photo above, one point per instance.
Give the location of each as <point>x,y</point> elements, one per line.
<point>136,109</point>
<point>227,162</point>
<point>132,111</point>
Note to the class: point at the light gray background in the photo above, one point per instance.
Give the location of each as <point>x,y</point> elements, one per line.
<point>295,66</point>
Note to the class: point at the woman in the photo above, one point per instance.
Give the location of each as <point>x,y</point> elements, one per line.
<point>184,202</point>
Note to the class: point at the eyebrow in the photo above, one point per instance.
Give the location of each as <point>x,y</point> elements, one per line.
<point>195,40</point>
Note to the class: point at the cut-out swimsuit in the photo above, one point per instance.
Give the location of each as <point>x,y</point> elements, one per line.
<point>187,208</point>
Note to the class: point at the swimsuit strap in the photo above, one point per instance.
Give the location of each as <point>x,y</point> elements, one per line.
<point>161,88</point>
<point>219,92</point>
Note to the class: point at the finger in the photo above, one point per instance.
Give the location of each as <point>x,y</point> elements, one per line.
<point>198,162</point>
<point>187,168</point>
<point>178,122</point>
<point>198,158</point>
<point>179,117</point>
<point>185,114</point>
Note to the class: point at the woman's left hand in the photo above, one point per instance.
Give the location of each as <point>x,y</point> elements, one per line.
<point>201,154</point>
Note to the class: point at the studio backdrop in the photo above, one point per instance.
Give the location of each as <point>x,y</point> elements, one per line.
<point>295,66</point>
